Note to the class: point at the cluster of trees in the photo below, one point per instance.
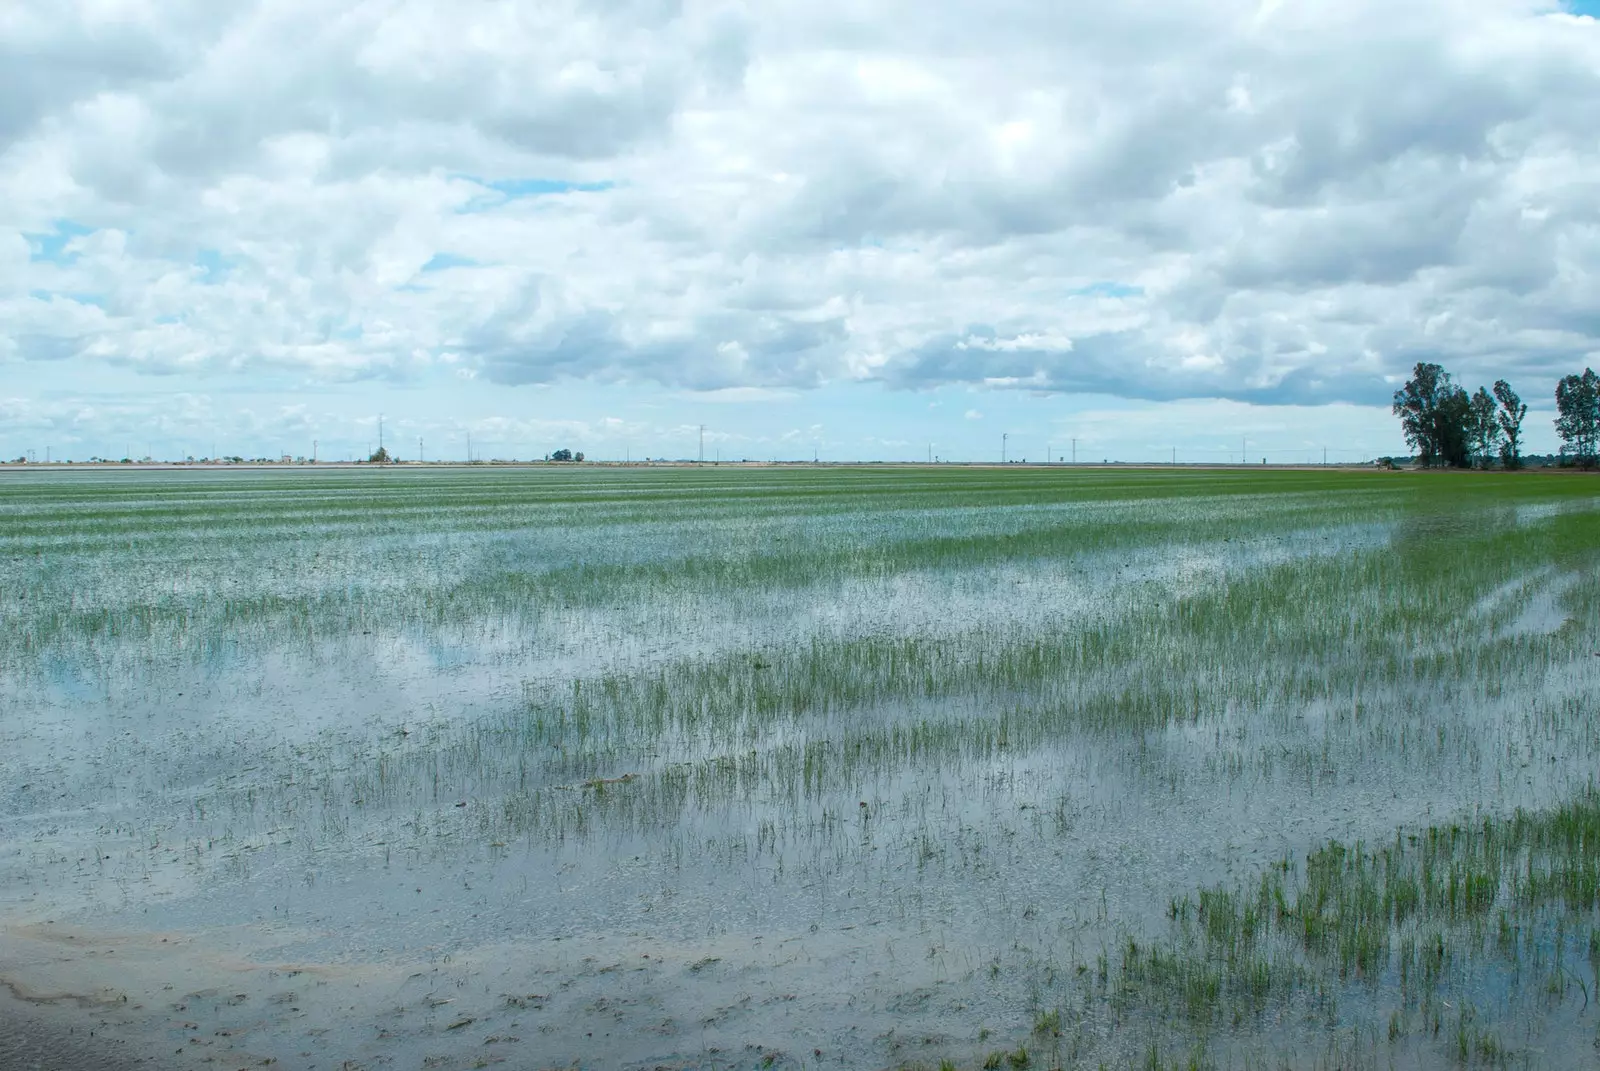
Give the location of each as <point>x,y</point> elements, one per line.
<point>1578,416</point>
<point>566,455</point>
<point>1447,426</point>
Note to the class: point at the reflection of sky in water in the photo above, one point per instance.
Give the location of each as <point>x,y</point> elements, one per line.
<point>1047,844</point>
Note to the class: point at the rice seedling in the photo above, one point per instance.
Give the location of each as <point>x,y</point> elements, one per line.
<point>991,727</point>
<point>1480,917</point>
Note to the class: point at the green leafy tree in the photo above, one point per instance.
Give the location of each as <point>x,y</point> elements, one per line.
<point>1578,415</point>
<point>1436,416</point>
<point>380,456</point>
<point>1484,429</point>
<point>1509,419</point>
<point>1455,430</point>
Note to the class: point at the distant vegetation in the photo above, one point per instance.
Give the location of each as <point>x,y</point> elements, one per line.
<point>1447,426</point>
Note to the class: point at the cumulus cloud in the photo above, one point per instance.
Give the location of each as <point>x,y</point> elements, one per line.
<point>1257,201</point>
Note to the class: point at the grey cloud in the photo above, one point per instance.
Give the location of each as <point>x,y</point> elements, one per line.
<point>33,346</point>
<point>1370,243</point>
<point>720,352</point>
<point>1298,202</point>
<point>49,60</point>
<point>1102,364</point>
<point>214,93</point>
<point>588,124</point>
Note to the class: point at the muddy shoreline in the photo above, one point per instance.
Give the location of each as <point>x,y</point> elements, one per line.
<point>38,1035</point>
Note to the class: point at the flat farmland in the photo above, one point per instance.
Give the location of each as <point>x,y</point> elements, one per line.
<point>722,767</point>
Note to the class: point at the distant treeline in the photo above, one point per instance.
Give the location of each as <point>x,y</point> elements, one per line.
<point>1447,426</point>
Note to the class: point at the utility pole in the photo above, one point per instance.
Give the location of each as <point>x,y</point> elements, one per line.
<point>930,453</point>
<point>1324,456</point>
<point>380,431</point>
<point>1174,455</point>
<point>469,447</point>
<point>1242,460</point>
<point>1004,435</point>
<point>419,450</point>
<point>702,444</point>
<point>1074,451</point>
<point>313,451</point>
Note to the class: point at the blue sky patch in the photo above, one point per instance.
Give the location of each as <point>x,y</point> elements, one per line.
<point>445,261</point>
<point>81,297</point>
<point>213,268</point>
<point>517,189</point>
<point>539,187</point>
<point>1584,7</point>
<point>51,246</point>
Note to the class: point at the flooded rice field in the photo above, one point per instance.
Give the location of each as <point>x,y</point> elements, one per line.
<point>802,768</point>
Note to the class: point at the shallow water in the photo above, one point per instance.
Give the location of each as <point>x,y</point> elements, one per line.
<point>639,769</point>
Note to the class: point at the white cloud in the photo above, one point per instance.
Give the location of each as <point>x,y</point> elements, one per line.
<point>1269,202</point>
<point>1045,342</point>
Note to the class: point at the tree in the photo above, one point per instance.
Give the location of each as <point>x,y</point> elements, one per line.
<point>1578,415</point>
<point>561,455</point>
<point>1436,416</point>
<point>1485,431</point>
<point>1454,428</point>
<point>1512,410</point>
<point>380,456</point>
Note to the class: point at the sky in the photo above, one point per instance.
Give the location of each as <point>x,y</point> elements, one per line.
<point>880,230</point>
